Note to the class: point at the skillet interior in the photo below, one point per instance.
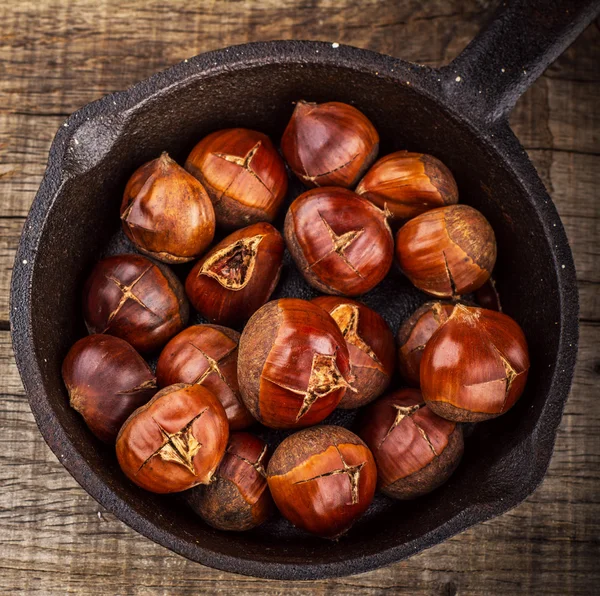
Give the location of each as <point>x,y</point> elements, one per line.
<point>505,458</point>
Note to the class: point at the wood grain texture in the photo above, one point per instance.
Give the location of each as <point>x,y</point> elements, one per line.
<point>57,56</point>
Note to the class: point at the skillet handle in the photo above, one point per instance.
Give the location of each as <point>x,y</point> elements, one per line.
<point>511,52</point>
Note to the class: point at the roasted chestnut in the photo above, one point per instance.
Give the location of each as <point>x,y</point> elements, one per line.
<point>293,364</point>
<point>243,175</point>
<point>341,242</point>
<point>414,334</point>
<point>206,355</point>
<point>322,479</point>
<point>238,497</point>
<point>415,450</point>
<point>475,365</point>
<point>166,212</point>
<point>106,380</point>
<point>329,144</point>
<point>447,251</point>
<point>175,441</point>
<point>370,344</point>
<point>487,296</point>
<point>238,275</point>
<point>408,184</point>
<point>136,299</point>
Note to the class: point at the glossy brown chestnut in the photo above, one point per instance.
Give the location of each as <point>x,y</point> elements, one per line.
<point>106,380</point>
<point>136,299</point>
<point>238,498</point>
<point>415,450</point>
<point>322,479</point>
<point>329,144</point>
<point>175,441</point>
<point>166,212</point>
<point>341,242</point>
<point>238,275</point>
<point>408,184</point>
<point>370,344</point>
<point>243,175</point>
<point>447,251</point>
<point>206,355</point>
<point>414,334</point>
<point>475,366</point>
<point>293,364</point>
<point>487,296</point>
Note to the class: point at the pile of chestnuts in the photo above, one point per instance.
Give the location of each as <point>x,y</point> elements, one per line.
<point>181,424</point>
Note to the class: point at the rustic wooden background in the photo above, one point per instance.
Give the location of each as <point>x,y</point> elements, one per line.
<point>56,56</point>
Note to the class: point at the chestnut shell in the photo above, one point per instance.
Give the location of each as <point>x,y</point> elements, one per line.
<point>136,299</point>
<point>322,479</point>
<point>370,345</point>
<point>206,355</point>
<point>415,450</point>
<point>238,498</point>
<point>329,144</point>
<point>243,174</point>
<point>166,212</point>
<point>237,276</point>
<point>340,242</point>
<point>475,366</point>
<point>106,380</point>
<point>293,364</point>
<point>175,441</point>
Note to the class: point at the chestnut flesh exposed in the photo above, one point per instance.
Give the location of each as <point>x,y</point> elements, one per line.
<point>166,212</point>
<point>293,364</point>
<point>414,334</point>
<point>238,498</point>
<point>243,175</point>
<point>322,479</point>
<point>106,380</point>
<point>447,251</point>
<point>370,344</point>
<point>206,355</point>
<point>415,450</point>
<point>136,299</point>
<point>475,366</point>
<point>329,144</point>
<point>408,184</point>
<point>175,441</point>
<point>238,275</point>
<point>340,242</point>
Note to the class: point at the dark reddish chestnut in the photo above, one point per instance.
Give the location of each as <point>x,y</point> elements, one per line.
<point>414,334</point>
<point>475,366</point>
<point>206,355</point>
<point>175,441</point>
<point>415,450</point>
<point>408,184</point>
<point>329,144</point>
<point>447,251</point>
<point>243,175</point>
<point>370,344</point>
<point>293,364</point>
<point>341,242</point>
<point>487,296</point>
<point>166,212</point>
<point>106,380</point>
<point>322,479</point>
<point>238,275</point>
<point>136,299</point>
<point>238,497</point>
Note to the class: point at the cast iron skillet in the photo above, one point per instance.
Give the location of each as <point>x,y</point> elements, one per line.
<point>458,113</point>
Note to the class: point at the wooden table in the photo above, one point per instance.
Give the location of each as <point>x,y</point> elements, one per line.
<point>57,56</point>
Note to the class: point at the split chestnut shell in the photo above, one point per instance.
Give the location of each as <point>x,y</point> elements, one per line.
<point>293,364</point>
